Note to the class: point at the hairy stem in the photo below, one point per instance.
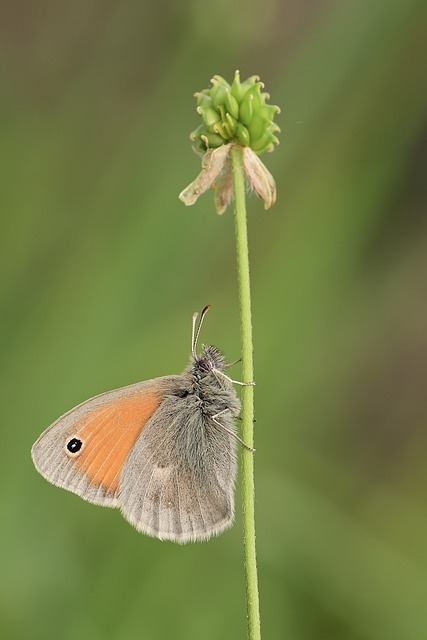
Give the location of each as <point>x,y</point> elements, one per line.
<point>248,488</point>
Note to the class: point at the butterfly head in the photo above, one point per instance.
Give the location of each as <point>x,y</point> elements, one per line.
<point>210,359</point>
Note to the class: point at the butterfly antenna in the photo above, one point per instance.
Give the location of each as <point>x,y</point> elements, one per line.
<point>195,334</point>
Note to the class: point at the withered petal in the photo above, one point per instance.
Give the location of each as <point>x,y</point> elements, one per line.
<point>259,177</point>
<point>213,163</point>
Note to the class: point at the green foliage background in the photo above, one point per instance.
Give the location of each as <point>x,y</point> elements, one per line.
<point>102,268</point>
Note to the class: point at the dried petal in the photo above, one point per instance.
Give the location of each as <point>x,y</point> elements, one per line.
<point>223,189</point>
<point>213,163</point>
<point>259,177</point>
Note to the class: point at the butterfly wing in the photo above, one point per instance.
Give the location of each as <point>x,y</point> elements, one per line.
<point>178,480</point>
<point>85,450</point>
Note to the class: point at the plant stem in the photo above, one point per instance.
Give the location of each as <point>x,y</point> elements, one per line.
<point>248,488</point>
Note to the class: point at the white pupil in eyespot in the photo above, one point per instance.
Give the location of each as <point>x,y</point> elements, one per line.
<point>74,445</point>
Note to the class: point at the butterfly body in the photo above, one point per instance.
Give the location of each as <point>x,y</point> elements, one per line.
<point>160,450</point>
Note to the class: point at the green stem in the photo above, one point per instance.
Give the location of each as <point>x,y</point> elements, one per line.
<point>248,488</point>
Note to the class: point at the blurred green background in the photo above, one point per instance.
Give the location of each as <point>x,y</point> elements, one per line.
<point>102,268</point>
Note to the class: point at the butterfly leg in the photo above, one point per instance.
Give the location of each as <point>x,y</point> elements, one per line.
<point>224,375</point>
<point>231,364</point>
<point>229,431</point>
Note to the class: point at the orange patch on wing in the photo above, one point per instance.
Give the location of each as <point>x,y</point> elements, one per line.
<point>109,433</point>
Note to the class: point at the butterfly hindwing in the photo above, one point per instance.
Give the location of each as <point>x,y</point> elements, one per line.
<point>178,480</point>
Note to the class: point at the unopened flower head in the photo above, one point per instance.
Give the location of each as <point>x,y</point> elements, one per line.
<point>235,113</point>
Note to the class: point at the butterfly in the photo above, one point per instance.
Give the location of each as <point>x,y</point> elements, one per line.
<point>163,451</point>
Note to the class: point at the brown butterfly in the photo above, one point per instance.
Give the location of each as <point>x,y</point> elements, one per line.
<point>162,450</point>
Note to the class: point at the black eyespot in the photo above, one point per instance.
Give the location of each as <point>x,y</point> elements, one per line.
<point>74,445</point>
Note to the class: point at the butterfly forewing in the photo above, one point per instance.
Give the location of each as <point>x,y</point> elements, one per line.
<point>84,451</point>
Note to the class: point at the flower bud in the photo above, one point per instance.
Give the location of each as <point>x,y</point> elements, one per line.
<point>236,113</point>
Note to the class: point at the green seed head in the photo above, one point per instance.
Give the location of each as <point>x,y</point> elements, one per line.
<point>235,113</point>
